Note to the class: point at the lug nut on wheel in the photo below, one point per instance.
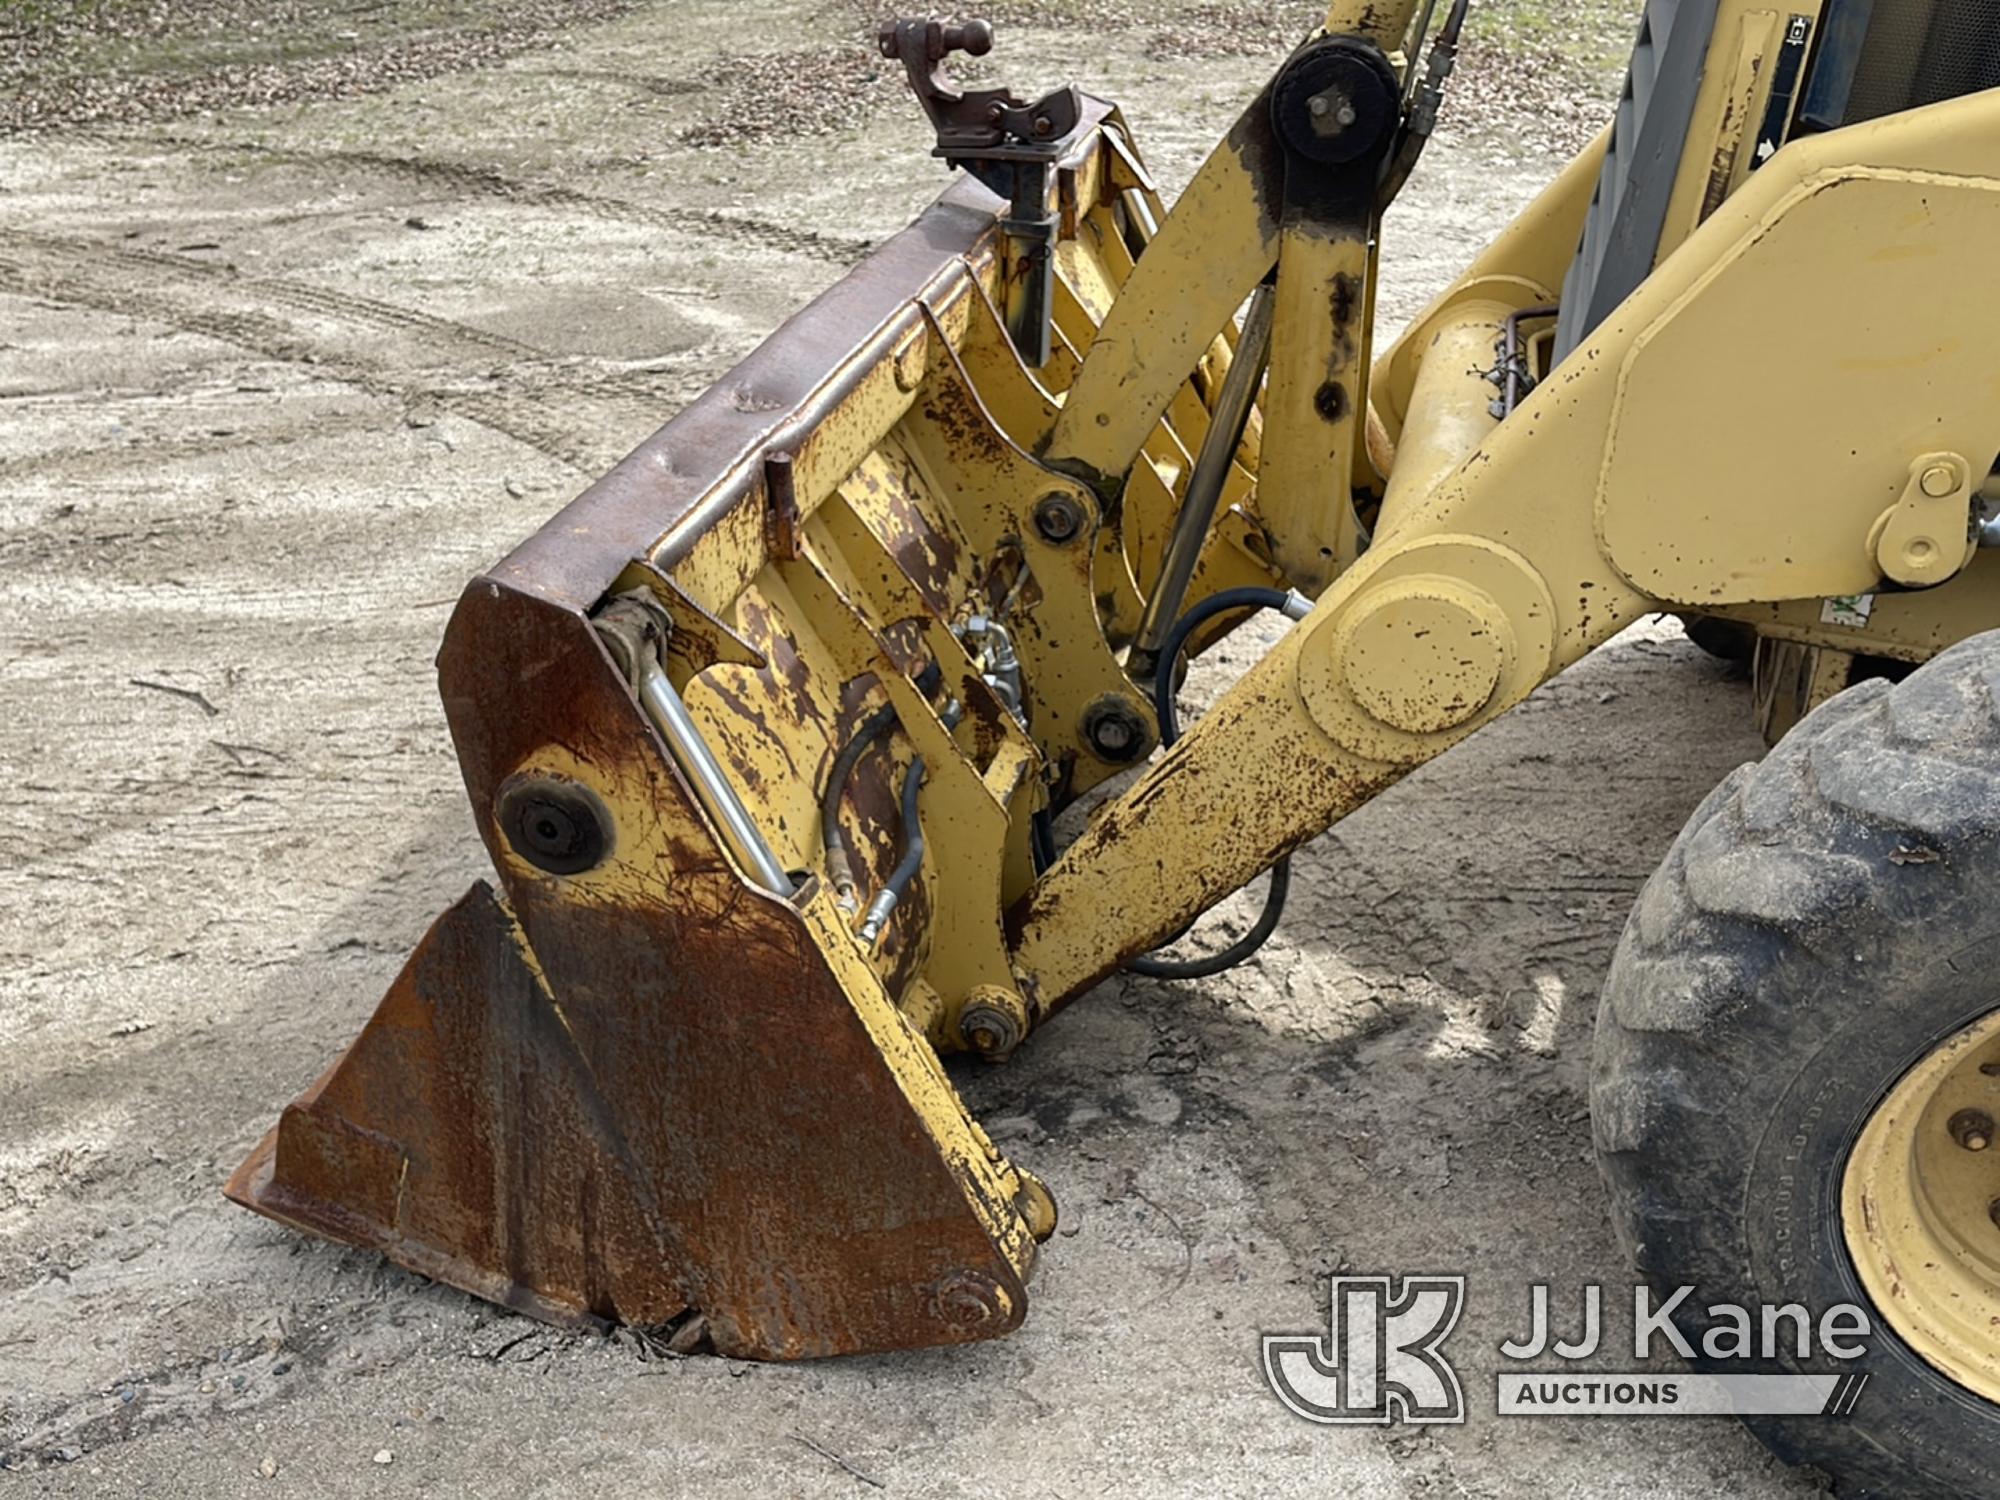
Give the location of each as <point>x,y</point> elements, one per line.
<point>1972,1129</point>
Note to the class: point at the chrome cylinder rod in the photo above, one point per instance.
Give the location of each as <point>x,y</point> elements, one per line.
<point>711,783</point>
<point>1226,423</point>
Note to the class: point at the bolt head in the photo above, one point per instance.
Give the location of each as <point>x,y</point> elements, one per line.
<point>1331,112</point>
<point>1058,517</point>
<point>993,1022</point>
<point>1972,1129</point>
<point>1939,480</point>
<point>1114,730</point>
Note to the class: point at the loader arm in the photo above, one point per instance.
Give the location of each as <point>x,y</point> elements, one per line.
<point>1661,465</point>
<point>766,731</point>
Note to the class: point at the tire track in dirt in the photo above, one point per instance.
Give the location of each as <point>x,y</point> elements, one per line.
<point>78,462</point>
<point>585,418</point>
<point>299,296</point>
<point>839,250</point>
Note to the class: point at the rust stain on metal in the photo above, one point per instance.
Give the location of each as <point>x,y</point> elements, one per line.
<point>585,1151</point>
<point>781,512</point>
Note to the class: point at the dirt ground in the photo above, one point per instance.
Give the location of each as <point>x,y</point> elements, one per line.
<point>307,312</point>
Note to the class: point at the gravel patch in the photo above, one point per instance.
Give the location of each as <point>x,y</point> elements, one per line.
<point>1534,96</point>
<point>804,92</point>
<point>1512,80</point>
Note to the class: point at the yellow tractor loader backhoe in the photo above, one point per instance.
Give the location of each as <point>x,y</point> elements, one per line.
<point>767,730</point>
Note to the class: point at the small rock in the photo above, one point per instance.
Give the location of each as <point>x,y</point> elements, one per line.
<point>689,1337</point>
<point>414,222</point>
<point>384,1456</point>
<point>269,1467</point>
<point>515,490</point>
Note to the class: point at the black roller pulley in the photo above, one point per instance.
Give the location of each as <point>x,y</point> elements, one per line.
<point>1336,102</point>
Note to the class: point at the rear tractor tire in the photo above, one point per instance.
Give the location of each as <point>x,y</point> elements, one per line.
<point>1797,1069</point>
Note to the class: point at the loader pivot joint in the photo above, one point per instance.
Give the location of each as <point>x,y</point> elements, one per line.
<point>1336,102</point>
<point>560,829</point>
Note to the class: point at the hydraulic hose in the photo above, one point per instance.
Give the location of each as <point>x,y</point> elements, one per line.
<point>1294,606</point>
<point>878,725</point>
<point>884,905</point>
<point>839,869</point>
<point>1421,102</point>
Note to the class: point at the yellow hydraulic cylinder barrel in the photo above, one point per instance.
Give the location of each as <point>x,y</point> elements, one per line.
<point>1452,404</point>
<point>1384,22</point>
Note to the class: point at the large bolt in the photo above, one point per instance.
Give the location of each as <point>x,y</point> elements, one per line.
<point>967,1299</point>
<point>555,826</point>
<point>993,1022</point>
<point>1972,1129</point>
<point>1332,112</point>
<point>1114,737</point>
<point>1115,731</point>
<point>1058,517</point>
<point>1939,480</point>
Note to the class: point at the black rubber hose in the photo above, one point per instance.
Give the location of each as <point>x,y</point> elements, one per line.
<point>886,899</point>
<point>1150,965</point>
<point>913,833</point>
<point>1042,839</point>
<point>839,870</point>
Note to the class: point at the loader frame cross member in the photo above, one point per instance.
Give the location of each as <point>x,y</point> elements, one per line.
<point>667,1071</point>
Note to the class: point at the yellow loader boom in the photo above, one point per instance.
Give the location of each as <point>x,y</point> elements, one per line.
<point>767,730</point>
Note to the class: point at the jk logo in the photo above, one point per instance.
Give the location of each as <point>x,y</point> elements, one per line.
<point>1379,1361</point>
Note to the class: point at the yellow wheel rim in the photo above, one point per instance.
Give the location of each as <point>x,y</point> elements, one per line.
<point>1920,1208</point>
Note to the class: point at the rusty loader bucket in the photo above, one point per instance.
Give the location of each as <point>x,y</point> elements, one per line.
<point>682,1060</point>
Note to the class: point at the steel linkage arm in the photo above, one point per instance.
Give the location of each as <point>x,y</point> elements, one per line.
<point>1222,238</point>
<point>1781,412</point>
